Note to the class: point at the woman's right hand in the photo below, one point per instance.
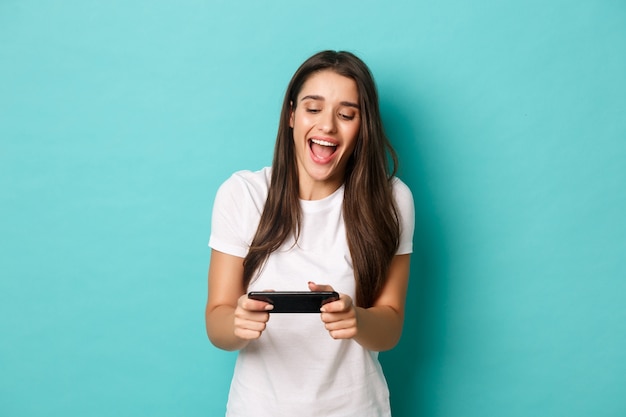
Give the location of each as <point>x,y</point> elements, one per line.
<point>251,317</point>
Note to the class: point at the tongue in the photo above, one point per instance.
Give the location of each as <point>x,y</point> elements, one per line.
<point>322,151</point>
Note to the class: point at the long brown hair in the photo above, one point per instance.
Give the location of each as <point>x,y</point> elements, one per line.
<point>370,214</point>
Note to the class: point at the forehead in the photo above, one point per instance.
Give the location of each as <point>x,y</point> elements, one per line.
<point>327,84</point>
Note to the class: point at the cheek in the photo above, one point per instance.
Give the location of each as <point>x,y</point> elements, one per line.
<point>302,122</point>
<point>355,138</point>
<point>353,133</point>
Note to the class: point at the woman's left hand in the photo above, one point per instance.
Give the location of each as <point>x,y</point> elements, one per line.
<point>340,317</point>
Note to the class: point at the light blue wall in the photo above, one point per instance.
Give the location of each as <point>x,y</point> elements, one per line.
<point>119,119</point>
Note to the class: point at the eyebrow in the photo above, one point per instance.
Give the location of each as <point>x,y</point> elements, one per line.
<point>316,97</point>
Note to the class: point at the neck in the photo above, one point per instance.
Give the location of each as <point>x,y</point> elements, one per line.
<point>317,190</point>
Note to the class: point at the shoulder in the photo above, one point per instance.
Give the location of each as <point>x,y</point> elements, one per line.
<point>247,183</point>
<point>401,192</point>
<point>243,191</point>
<point>237,209</point>
<point>406,215</point>
<point>259,180</point>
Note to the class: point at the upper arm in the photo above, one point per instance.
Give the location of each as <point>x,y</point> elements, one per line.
<point>225,280</point>
<point>395,288</point>
<point>394,291</point>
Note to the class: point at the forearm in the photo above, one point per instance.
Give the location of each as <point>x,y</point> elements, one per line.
<point>378,328</point>
<point>220,327</point>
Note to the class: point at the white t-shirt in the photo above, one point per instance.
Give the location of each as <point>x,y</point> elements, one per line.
<point>296,369</point>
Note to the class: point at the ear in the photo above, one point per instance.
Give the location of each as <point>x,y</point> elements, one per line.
<point>291,114</point>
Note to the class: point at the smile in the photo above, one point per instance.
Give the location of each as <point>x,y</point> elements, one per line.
<point>322,149</point>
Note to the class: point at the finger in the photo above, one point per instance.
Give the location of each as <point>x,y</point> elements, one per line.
<point>342,305</point>
<point>245,324</point>
<point>248,334</point>
<point>251,316</point>
<point>256,305</point>
<point>319,287</point>
<point>348,333</point>
<point>328,318</point>
<point>345,323</point>
<point>334,307</point>
<point>247,328</point>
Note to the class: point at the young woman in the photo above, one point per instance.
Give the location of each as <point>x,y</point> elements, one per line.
<point>328,215</point>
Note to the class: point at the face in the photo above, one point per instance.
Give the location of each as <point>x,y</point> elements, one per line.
<point>326,122</point>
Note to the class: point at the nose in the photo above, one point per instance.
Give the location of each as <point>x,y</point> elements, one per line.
<point>327,122</point>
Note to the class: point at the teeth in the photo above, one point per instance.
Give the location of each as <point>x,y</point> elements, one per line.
<point>323,142</point>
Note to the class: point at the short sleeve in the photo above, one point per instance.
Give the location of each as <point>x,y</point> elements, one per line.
<point>406,213</point>
<point>236,212</point>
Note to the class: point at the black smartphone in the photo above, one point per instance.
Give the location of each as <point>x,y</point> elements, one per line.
<point>295,301</point>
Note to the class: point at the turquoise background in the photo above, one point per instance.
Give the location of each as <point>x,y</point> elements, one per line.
<point>119,120</point>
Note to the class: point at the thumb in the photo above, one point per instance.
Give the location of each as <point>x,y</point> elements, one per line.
<point>319,287</point>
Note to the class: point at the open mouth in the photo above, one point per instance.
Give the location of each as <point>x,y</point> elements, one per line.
<point>322,149</point>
